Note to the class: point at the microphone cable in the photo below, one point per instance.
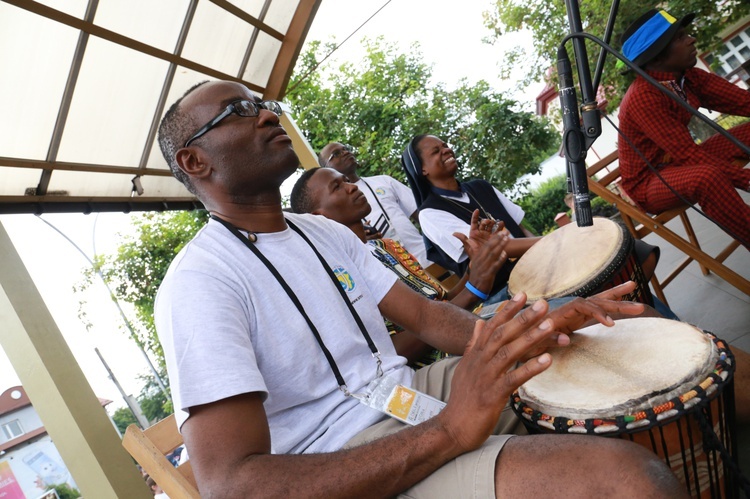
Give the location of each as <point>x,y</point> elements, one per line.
<point>731,138</point>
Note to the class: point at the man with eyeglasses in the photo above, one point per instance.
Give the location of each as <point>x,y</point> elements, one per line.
<point>272,332</point>
<point>392,203</point>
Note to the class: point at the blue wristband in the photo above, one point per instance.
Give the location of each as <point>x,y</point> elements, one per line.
<point>476,292</point>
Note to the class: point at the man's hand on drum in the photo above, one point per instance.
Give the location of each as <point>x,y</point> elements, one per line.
<point>581,312</point>
<point>484,378</point>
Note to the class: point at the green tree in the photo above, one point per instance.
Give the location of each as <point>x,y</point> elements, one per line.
<point>65,491</point>
<point>547,21</point>
<point>379,104</point>
<point>543,203</point>
<point>123,417</point>
<point>137,270</point>
<point>154,404</point>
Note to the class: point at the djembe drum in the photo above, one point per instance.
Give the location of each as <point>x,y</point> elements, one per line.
<point>663,384</point>
<point>580,261</point>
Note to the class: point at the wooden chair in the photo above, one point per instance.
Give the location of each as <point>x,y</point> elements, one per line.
<point>149,448</point>
<point>640,224</point>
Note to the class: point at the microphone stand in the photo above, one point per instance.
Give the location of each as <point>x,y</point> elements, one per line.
<point>577,136</point>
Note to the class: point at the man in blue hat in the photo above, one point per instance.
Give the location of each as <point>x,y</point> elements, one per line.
<point>658,129</point>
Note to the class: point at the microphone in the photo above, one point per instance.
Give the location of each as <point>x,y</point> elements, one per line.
<point>573,141</point>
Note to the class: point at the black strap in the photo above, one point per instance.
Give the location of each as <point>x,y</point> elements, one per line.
<point>298,304</point>
<point>337,284</point>
<point>385,213</point>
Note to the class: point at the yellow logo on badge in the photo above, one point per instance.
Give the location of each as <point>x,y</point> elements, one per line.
<point>380,191</point>
<point>345,279</point>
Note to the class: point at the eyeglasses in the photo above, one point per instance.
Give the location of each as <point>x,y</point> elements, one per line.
<point>339,152</point>
<point>244,108</point>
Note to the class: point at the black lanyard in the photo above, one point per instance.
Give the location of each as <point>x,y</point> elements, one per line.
<point>298,304</point>
<point>385,214</point>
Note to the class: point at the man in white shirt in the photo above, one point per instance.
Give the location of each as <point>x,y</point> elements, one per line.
<point>392,202</point>
<point>271,329</point>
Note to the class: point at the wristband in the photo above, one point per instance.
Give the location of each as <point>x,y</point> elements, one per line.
<point>476,292</point>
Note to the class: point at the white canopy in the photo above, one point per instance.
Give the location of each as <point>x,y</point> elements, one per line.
<point>85,84</point>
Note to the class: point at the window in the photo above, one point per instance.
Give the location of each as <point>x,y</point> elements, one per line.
<point>12,429</point>
<point>734,53</point>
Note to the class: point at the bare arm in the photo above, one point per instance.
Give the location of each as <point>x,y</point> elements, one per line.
<point>486,258</point>
<point>526,231</point>
<point>409,346</point>
<point>230,447</point>
<point>440,324</point>
<point>229,440</point>
<point>517,247</point>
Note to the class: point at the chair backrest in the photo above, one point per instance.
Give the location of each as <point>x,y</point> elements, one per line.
<point>150,447</point>
<point>445,277</point>
<point>604,177</point>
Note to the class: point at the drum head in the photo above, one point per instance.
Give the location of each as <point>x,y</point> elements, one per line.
<point>607,372</point>
<point>562,262</point>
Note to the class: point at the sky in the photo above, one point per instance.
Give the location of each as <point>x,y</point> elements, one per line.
<point>449,34</point>
<point>450,38</point>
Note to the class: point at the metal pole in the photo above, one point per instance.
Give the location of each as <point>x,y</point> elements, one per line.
<point>117,304</point>
<point>135,408</point>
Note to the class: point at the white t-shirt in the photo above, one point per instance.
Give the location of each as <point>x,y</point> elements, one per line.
<point>399,204</point>
<point>228,328</point>
<point>439,225</point>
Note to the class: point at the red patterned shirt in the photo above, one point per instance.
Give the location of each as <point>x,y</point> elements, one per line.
<point>658,126</point>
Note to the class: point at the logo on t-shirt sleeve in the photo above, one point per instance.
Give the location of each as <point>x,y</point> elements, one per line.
<point>380,191</point>
<point>345,278</point>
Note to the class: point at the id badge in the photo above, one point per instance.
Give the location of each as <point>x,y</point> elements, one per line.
<point>401,402</point>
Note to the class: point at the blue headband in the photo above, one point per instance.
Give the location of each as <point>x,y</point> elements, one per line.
<point>647,34</point>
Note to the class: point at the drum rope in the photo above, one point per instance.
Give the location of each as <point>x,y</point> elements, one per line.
<point>718,386</point>
<point>711,442</point>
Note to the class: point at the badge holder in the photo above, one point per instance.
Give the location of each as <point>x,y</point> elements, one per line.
<point>401,402</point>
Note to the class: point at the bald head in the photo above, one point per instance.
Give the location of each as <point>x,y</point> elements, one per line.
<point>339,157</point>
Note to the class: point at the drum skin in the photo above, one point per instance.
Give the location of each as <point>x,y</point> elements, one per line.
<point>683,372</point>
<point>579,261</point>
<point>610,371</point>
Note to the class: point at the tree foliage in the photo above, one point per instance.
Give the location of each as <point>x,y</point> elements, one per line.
<point>543,203</point>
<point>123,417</point>
<point>135,273</point>
<point>65,491</point>
<point>548,22</point>
<point>378,105</point>
<point>154,404</point>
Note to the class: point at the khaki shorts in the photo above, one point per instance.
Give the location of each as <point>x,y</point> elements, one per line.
<point>469,475</point>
